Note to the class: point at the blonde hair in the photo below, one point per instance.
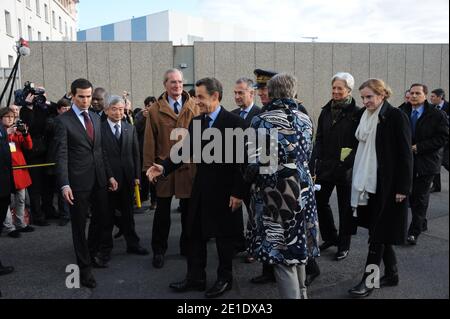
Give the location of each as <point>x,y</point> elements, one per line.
<point>378,87</point>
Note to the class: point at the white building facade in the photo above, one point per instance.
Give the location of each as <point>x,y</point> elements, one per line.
<point>35,20</point>
<point>167,25</point>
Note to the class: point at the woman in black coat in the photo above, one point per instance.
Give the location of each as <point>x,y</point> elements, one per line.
<point>382,178</point>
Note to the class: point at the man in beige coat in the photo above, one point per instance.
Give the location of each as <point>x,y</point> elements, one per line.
<point>174,109</point>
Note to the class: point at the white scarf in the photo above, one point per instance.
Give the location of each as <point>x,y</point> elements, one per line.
<point>364,179</point>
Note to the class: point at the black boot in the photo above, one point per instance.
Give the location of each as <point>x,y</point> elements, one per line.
<point>390,277</point>
<point>312,271</point>
<point>361,290</point>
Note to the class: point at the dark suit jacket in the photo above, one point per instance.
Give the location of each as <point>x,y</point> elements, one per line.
<point>6,176</point>
<point>80,163</point>
<point>213,185</point>
<point>431,135</point>
<point>248,120</point>
<point>123,155</point>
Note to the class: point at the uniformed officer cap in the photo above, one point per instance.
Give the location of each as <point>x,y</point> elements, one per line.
<point>262,77</point>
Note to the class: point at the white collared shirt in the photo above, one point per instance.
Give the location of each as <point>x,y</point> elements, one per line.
<point>172,102</point>
<point>113,128</point>
<point>247,110</point>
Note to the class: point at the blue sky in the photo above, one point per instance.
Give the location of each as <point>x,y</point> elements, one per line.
<point>386,21</point>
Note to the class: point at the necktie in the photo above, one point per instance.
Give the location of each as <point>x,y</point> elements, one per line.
<point>243,114</point>
<point>414,117</point>
<point>89,126</point>
<point>207,121</point>
<point>175,107</point>
<point>117,132</point>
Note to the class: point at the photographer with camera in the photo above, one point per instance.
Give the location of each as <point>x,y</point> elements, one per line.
<point>18,139</point>
<point>34,113</point>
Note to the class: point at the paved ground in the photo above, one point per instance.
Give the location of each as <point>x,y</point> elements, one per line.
<point>40,259</point>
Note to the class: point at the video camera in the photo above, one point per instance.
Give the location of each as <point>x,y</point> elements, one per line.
<point>21,95</point>
<point>21,127</point>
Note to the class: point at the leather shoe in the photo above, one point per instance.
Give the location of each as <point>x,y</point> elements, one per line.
<point>327,244</point>
<point>26,229</point>
<point>262,279</point>
<point>188,285</point>
<point>137,251</point>
<point>88,281</point>
<point>361,290</point>
<point>98,262</point>
<point>389,281</point>
<point>14,234</point>
<point>310,278</point>
<point>412,240</point>
<point>41,223</point>
<point>218,289</point>
<point>158,261</point>
<point>341,255</point>
<point>4,270</point>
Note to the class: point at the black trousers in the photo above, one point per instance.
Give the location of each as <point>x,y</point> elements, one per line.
<point>161,224</point>
<point>419,200</point>
<point>382,252</point>
<point>36,193</point>
<point>197,254</point>
<point>328,229</point>
<point>147,189</point>
<point>121,200</point>
<point>4,204</point>
<point>85,249</point>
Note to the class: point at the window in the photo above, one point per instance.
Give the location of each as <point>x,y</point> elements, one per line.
<point>47,38</point>
<point>30,34</point>
<point>8,22</point>
<point>60,24</point>
<point>54,19</point>
<point>46,12</point>
<point>19,24</point>
<point>10,61</point>
<point>39,36</point>
<point>38,8</point>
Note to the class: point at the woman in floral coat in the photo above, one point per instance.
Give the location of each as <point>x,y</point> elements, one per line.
<point>283,225</point>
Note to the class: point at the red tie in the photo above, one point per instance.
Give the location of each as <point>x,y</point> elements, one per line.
<point>89,126</point>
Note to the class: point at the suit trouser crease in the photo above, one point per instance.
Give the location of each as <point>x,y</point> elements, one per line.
<point>419,201</point>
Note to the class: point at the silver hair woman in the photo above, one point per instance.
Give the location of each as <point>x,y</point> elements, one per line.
<point>282,228</point>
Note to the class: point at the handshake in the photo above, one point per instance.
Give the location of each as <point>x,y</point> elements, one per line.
<point>154,172</point>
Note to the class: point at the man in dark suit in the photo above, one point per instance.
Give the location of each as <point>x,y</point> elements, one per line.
<point>429,128</point>
<point>6,186</point>
<point>99,98</point>
<point>122,149</point>
<point>217,192</point>
<point>437,98</point>
<point>83,173</point>
<point>244,94</point>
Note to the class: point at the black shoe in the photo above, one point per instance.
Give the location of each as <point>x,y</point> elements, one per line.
<point>310,278</point>
<point>342,254</point>
<point>63,222</point>
<point>218,289</point>
<point>4,270</point>
<point>389,281</point>
<point>158,261</point>
<point>312,271</point>
<point>118,234</point>
<point>262,279</point>
<point>26,229</point>
<point>188,285</point>
<point>88,281</point>
<point>361,290</point>
<point>412,240</point>
<point>98,262</point>
<point>327,244</point>
<point>14,234</point>
<point>41,223</point>
<point>137,251</point>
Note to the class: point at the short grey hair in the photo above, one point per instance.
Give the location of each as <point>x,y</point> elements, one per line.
<point>282,85</point>
<point>247,81</point>
<point>113,100</point>
<point>170,71</point>
<point>346,77</point>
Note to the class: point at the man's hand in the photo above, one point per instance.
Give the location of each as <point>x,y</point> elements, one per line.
<point>11,130</point>
<point>414,148</point>
<point>137,182</point>
<point>154,172</point>
<point>235,203</point>
<point>399,198</point>
<point>68,195</point>
<point>113,185</point>
<point>29,99</point>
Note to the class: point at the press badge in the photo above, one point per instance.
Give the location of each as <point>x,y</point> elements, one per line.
<point>12,147</point>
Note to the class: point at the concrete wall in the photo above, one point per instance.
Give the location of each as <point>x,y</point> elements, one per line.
<point>139,66</point>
